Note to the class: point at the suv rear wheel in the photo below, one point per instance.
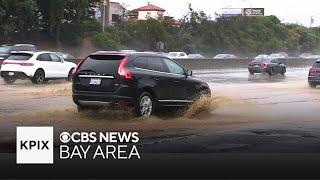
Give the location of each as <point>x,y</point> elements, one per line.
<point>283,71</point>
<point>39,77</point>
<point>145,105</point>
<point>313,85</point>
<point>271,72</point>
<point>9,80</point>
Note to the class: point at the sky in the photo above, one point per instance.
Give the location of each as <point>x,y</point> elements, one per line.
<point>288,11</point>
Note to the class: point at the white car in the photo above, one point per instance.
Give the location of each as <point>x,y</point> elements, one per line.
<point>309,56</point>
<point>39,67</point>
<point>280,55</point>
<point>262,56</point>
<point>195,56</point>
<point>225,56</point>
<point>178,55</point>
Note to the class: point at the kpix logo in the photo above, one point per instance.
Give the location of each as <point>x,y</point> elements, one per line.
<point>34,145</point>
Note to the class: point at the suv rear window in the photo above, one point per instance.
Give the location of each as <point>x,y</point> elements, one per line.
<point>102,63</point>
<point>141,62</point>
<point>20,56</point>
<point>261,60</point>
<point>150,63</point>
<point>156,64</point>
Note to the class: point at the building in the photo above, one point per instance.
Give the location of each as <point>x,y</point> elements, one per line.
<point>170,20</point>
<point>114,12</point>
<point>149,11</point>
<point>229,12</point>
<point>226,13</point>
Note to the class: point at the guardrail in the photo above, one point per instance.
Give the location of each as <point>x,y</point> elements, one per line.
<point>227,63</point>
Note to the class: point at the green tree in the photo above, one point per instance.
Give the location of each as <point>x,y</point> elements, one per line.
<point>18,18</point>
<point>67,16</point>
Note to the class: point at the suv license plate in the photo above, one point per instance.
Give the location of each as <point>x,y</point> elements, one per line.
<point>11,73</point>
<point>95,81</point>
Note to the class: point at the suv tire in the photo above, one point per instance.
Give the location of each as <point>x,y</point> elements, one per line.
<point>283,71</point>
<point>313,85</point>
<point>39,77</point>
<point>145,105</point>
<point>271,72</point>
<point>9,80</point>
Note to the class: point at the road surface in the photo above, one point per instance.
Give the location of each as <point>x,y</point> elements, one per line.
<point>247,114</point>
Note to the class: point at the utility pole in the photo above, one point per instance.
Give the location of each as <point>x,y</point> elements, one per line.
<point>108,11</point>
<point>104,15</point>
<point>311,21</point>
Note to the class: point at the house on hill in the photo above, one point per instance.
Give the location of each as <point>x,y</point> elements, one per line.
<point>149,11</point>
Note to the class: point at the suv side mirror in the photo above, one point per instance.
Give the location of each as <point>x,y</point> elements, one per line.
<point>189,73</point>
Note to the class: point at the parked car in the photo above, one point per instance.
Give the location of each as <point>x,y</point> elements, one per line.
<point>6,49</point>
<point>278,56</point>
<point>309,56</point>
<point>39,67</point>
<point>7,45</point>
<point>262,56</point>
<point>163,54</point>
<point>128,51</point>
<point>65,56</point>
<point>270,66</point>
<point>178,55</point>
<point>284,54</point>
<point>225,56</point>
<point>145,81</point>
<point>196,56</point>
<point>5,52</point>
<point>24,47</point>
<point>314,74</point>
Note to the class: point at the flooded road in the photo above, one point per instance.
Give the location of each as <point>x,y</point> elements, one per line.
<point>246,114</point>
<point>241,76</point>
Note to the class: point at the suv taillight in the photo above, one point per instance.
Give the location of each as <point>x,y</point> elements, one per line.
<point>264,66</point>
<point>313,70</point>
<point>74,71</point>
<point>123,71</point>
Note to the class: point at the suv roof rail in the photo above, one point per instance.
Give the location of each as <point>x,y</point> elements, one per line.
<point>108,53</point>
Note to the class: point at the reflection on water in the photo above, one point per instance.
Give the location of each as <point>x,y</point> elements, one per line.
<point>264,77</point>
<point>232,76</point>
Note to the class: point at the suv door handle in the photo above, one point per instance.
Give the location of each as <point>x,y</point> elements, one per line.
<point>176,81</point>
<point>156,79</point>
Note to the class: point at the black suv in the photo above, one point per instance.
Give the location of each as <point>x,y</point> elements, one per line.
<point>314,74</point>
<point>143,80</point>
<point>267,65</point>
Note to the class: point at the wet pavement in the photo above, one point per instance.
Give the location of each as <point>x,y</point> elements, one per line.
<point>241,76</point>
<point>247,114</point>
